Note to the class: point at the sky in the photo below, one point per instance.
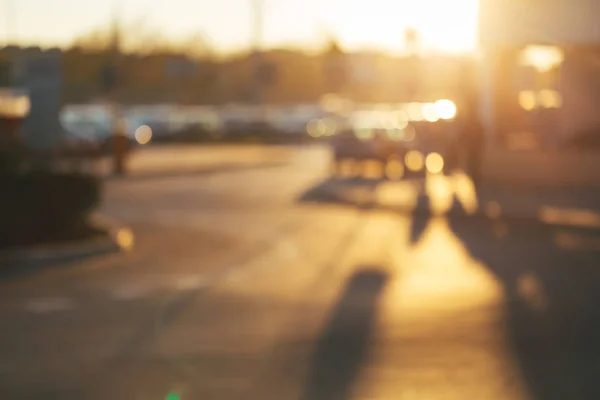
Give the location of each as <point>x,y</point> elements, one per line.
<point>446,25</point>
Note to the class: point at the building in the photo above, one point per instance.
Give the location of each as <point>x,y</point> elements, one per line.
<point>38,73</point>
<point>540,71</point>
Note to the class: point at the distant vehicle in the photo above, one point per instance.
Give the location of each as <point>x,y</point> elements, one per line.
<point>369,144</point>
<point>395,135</point>
<point>92,126</point>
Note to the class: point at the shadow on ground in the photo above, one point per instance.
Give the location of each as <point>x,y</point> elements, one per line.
<point>342,191</point>
<point>343,347</point>
<point>551,278</point>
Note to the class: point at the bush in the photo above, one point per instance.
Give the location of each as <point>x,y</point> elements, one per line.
<point>42,207</point>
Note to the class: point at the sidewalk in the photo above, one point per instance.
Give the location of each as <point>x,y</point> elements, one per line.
<point>182,159</point>
<point>576,207</point>
<point>456,196</point>
<point>549,168</point>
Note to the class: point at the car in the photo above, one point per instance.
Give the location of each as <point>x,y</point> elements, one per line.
<point>389,136</point>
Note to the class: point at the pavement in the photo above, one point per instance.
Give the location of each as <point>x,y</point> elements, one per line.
<point>176,160</point>
<point>277,281</point>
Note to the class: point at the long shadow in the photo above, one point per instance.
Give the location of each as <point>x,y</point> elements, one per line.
<point>551,279</point>
<point>552,300</point>
<point>355,191</point>
<point>343,347</point>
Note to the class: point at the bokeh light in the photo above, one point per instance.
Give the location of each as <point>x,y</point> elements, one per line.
<point>13,104</point>
<point>434,163</point>
<point>125,239</point>
<point>143,134</point>
<point>549,99</point>
<point>394,169</point>
<point>445,109</point>
<point>332,103</point>
<point>400,118</point>
<point>364,133</point>
<point>527,100</point>
<point>395,134</point>
<point>415,112</point>
<point>328,126</point>
<point>542,58</point>
<point>312,128</point>
<point>430,113</point>
<point>414,160</point>
<point>409,133</point>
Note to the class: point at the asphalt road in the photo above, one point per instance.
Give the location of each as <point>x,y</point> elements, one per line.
<point>273,281</point>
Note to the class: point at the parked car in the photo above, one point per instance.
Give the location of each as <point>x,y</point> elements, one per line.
<point>390,136</point>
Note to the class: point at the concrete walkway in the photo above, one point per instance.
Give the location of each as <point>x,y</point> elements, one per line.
<point>550,168</point>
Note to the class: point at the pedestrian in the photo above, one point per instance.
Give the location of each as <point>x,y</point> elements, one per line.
<point>471,140</point>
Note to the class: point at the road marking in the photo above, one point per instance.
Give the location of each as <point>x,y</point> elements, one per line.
<point>49,304</point>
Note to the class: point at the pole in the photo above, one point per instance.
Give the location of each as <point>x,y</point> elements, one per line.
<point>257,28</point>
<point>119,134</point>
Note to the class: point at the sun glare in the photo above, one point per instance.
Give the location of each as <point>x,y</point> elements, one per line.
<point>442,25</point>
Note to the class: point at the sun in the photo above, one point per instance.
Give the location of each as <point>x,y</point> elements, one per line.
<point>448,25</point>
<point>442,25</point>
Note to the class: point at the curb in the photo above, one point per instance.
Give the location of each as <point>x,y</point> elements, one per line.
<point>118,238</point>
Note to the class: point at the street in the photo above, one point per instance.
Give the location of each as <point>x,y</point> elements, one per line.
<point>265,278</point>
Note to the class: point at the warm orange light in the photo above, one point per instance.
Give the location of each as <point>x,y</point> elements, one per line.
<point>434,163</point>
<point>440,24</point>
<point>414,160</point>
<point>394,169</point>
<point>527,100</point>
<point>415,112</point>
<point>400,119</point>
<point>143,134</point>
<point>550,99</point>
<point>364,133</point>
<point>542,58</point>
<point>429,113</point>
<point>445,109</point>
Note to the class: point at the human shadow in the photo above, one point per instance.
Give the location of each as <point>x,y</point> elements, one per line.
<point>551,281</point>
<point>343,347</point>
<point>347,191</point>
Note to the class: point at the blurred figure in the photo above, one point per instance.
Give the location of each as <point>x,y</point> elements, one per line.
<point>468,143</point>
<point>473,139</point>
<point>121,145</point>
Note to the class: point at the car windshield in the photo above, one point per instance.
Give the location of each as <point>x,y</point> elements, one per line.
<point>303,200</point>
